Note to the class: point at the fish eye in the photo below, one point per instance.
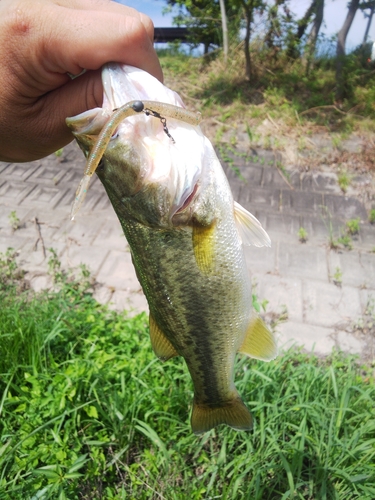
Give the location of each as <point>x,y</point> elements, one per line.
<point>100,165</point>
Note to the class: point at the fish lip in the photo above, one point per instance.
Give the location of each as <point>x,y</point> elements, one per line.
<point>188,199</point>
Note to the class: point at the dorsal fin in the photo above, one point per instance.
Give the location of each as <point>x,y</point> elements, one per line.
<point>163,349</point>
<point>259,342</point>
<point>250,229</point>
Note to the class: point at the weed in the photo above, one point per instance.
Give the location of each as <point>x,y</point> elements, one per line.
<point>219,134</point>
<point>336,141</point>
<point>302,235</point>
<point>366,323</point>
<point>370,307</point>
<point>267,142</point>
<point>251,136</point>
<point>259,305</point>
<point>54,267</point>
<point>10,275</point>
<point>352,226</point>
<point>14,221</point>
<point>371,216</point>
<point>226,154</point>
<point>59,152</point>
<point>344,180</point>
<point>337,277</point>
<point>346,241</point>
<point>333,242</point>
<point>301,146</point>
<point>283,170</point>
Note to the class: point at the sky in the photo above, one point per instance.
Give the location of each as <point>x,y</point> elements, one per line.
<point>334,15</point>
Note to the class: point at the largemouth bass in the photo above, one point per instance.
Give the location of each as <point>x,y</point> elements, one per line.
<point>186,236</point>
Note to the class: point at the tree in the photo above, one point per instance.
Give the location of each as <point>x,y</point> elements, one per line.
<point>274,28</point>
<point>340,49</point>
<point>279,25</point>
<point>204,18</point>
<point>302,25</point>
<point>249,7</point>
<point>367,5</point>
<point>225,29</point>
<point>318,9</point>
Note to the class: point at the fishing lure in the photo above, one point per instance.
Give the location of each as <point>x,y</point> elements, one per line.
<point>150,108</point>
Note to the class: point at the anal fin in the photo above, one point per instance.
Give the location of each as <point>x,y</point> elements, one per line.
<point>162,347</point>
<point>259,342</point>
<point>233,413</point>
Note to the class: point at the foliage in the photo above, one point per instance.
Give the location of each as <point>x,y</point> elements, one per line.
<point>14,220</point>
<point>346,241</point>
<point>344,178</point>
<point>337,276</point>
<point>279,93</point>
<point>352,226</point>
<point>88,412</point>
<point>302,235</point>
<point>203,17</point>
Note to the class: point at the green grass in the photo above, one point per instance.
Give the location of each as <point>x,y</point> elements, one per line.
<point>88,412</point>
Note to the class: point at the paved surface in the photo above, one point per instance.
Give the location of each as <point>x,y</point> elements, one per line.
<point>317,297</point>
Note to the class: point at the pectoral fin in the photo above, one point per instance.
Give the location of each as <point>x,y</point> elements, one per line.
<point>163,349</point>
<point>259,342</point>
<point>204,247</point>
<point>233,413</point>
<point>250,229</point>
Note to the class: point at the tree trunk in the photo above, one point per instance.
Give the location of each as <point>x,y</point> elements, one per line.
<point>305,21</point>
<point>225,29</point>
<point>247,44</point>
<point>372,8</point>
<point>302,27</point>
<point>340,50</point>
<point>311,43</point>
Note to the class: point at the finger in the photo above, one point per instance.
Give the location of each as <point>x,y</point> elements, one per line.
<point>111,7</point>
<point>61,40</point>
<point>49,131</point>
<point>88,40</point>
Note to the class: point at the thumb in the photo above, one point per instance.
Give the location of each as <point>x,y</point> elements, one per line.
<point>51,111</point>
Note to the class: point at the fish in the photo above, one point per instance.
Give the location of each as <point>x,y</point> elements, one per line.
<point>186,236</point>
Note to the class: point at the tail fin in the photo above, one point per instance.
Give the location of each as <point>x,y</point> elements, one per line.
<point>234,413</point>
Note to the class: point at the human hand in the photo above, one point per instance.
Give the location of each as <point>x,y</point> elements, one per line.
<point>43,40</point>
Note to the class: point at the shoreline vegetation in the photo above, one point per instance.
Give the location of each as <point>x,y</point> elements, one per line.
<point>88,412</point>
<point>282,109</point>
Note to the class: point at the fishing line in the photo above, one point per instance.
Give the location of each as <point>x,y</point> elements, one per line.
<point>163,120</point>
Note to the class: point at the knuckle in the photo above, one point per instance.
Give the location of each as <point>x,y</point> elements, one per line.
<point>149,26</point>
<point>19,21</point>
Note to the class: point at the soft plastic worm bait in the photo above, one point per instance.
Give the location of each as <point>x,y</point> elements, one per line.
<point>153,108</point>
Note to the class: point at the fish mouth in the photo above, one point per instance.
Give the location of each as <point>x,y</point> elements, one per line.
<point>188,200</point>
